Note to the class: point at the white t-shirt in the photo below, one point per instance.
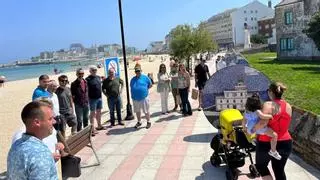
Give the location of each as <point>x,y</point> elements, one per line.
<point>55,102</point>
<point>50,141</point>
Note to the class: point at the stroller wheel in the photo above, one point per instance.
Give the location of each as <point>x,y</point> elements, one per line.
<point>215,160</point>
<point>253,171</point>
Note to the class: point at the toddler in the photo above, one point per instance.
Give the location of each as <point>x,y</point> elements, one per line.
<point>251,117</point>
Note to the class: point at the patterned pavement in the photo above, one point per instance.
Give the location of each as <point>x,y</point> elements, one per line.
<point>175,147</point>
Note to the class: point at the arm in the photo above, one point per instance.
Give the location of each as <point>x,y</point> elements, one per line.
<point>121,85</point>
<point>104,88</point>
<point>266,109</point>
<point>244,124</point>
<point>73,90</point>
<point>263,116</point>
<point>187,76</point>
<point>208,73</point>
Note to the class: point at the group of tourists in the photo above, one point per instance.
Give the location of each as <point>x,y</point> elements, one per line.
<point>55,105</point>
<point>177,81</point>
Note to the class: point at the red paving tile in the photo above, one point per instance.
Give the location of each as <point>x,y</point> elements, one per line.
<point>167,174</point>
<point>177,149</point>
<point>151,138</point>
<point>172,162</point>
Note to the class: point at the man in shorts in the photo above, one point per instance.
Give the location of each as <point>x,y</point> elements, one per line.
<point>94,83</point>
<point>201,76</point>
<point>140,85</point>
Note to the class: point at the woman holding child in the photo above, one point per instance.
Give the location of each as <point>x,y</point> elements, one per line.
<point>281,112</point>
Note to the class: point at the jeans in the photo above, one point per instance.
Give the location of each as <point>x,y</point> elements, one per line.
<point>186,107</point>
<point>164,101</point>
<point>82,113</point>
<point>114,103</point>
<point>263,158</point>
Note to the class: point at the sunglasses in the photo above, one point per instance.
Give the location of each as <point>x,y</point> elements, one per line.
<point>64,81</point>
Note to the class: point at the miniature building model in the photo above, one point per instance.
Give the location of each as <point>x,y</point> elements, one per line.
<point>235,99</point>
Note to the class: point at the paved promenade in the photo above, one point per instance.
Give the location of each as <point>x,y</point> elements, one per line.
<point>175,147</point>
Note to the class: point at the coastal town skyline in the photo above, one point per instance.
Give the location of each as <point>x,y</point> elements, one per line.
<point>38,26</point>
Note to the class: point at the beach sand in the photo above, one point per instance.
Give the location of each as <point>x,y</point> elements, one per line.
<point>16,94</point>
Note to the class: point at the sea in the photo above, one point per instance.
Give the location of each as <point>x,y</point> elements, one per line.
<point>33,71</point>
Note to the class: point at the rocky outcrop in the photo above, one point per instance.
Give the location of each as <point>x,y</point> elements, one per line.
<point>305,131</point>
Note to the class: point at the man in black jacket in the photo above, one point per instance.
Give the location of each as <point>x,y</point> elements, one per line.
<point>79,91</point>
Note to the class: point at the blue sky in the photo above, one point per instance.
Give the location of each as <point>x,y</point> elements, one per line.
<point>29,27</point>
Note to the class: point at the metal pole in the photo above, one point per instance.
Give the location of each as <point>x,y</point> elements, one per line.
<point>129,107</point>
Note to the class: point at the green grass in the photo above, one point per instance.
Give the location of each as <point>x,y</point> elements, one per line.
<point>302,78</point>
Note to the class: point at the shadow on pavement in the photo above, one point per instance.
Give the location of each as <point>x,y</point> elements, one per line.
<point>211,172</point>
<point>296,159</point>
<point>199,138</point>
<point>169,118</point>
<point>156,114</point>
<point>122,131</point>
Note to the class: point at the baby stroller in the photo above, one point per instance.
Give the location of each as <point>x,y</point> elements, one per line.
<point>231,145</point>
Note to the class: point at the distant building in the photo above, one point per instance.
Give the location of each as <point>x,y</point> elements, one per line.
<point>46,55</point>
<point>234,99</point>
<point>155,47</point>
<point>292,17</point>
<point>220,27</point>
<point>77,48</point>
<point>266,26</point>
<point>92,52</point>
<point>227,28</point>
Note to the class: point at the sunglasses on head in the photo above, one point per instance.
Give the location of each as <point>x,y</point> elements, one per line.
<point>137,71</point>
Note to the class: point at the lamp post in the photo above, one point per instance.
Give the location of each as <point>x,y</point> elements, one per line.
<point>129,107</point>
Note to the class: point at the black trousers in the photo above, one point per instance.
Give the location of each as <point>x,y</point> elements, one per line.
<point>263,158</point>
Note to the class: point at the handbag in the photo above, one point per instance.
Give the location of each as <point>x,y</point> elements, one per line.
<point>194,94</point>
<point>70,166</point>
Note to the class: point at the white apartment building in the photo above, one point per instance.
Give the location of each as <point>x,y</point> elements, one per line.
<point>220,26</point>
<point>227,28</point>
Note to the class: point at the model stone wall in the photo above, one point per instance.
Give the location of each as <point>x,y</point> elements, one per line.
<point>305,131</point>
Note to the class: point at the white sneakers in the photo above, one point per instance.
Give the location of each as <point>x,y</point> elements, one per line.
<point>275,154</point>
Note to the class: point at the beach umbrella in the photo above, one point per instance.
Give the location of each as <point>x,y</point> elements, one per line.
<point>136,58</point>
<point>229,77</point>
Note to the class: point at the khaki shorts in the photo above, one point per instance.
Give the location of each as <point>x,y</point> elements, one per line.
<point>143,104</point>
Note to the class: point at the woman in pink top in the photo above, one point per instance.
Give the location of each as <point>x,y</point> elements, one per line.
<point>281,117</point>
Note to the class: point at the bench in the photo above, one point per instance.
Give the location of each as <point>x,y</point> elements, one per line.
<point>78,141</point>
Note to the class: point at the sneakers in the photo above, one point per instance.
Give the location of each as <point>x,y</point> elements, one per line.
<point>137,125</point>
<point>275,154</point>
<point>148,125</point>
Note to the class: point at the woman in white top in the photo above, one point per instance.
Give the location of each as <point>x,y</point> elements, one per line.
<point>163,87</point>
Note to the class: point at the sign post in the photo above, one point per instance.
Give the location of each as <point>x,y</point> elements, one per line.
<point>112,63</point>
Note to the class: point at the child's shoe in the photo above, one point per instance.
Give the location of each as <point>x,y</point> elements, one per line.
<point>275,154</point>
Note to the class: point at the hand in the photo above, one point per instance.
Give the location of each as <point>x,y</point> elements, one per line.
<point>59,146</point>
<point>56,156</point>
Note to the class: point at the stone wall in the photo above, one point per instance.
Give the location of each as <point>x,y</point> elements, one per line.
<point>305,131</point>
<point>304,47</point>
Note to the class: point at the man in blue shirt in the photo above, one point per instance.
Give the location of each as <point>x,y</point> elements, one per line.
<point>29,157</point>
<point>139,86</point>
<point>41,90</point>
